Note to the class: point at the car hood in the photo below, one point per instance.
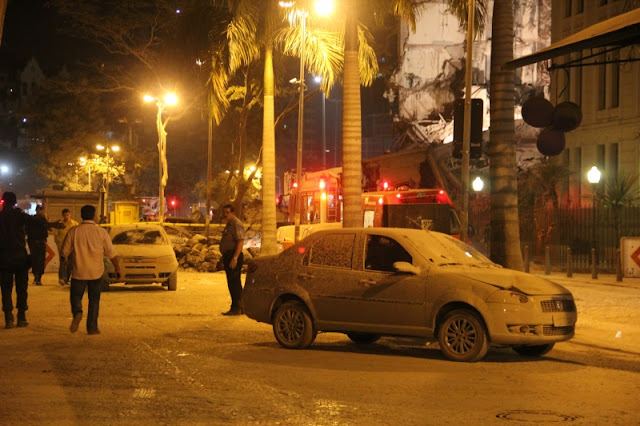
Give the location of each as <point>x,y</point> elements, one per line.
<point>133,250</point>
<point>507,279</point>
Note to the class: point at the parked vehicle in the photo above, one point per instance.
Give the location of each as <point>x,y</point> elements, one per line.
<point>146,256</point>
<point>373,282</point>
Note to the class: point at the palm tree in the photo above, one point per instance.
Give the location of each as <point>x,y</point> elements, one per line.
<point>505,227</point>
<point>256,29</point>
<point>358,69</point>
<point>618,193</point>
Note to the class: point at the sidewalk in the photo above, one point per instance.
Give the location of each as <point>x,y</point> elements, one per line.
<point>604,279</point>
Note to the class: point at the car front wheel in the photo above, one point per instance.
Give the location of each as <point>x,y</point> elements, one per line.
<point>172,282</point>
<point>462,336</point>
<point>293,327</point>
<point>363,338</point>
<point>535,350</point>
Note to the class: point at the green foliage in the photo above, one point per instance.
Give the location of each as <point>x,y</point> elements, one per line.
<point>538,185</point>
<point>618,193</point>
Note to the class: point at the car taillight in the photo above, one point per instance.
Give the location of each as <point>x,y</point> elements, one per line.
<point>252,267</point>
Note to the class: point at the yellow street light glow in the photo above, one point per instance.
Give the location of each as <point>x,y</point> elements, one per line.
<point>324,7</point>
<point>148,98</point>
<point>115,148</point>
<point>286,3</point>
<point>100,147</point>
<point>83,160</point>
<point>170,99</point>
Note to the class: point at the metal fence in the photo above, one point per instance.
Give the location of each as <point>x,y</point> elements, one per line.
<point>564,228</point>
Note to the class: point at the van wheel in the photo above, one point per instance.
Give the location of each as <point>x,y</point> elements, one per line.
<point>172,282</point>
<point>363,338</point>
<point>535,350</point>
<point>292,326</point>
<point>462,336</point>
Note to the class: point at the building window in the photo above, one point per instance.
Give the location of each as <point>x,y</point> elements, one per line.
<point>600,150</point>
<point>567,8</point>
<point>612,161</point>
<point>579,6</point>
<point>578,80</point>
<point>615,79</point>
<point>602,86</point>
<point>603,2</point>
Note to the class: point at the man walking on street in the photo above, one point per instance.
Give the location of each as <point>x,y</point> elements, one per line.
<point>37,237</point>
<point>88,243</point>
<point>231,245</point>
<point>61,233</point>
<point>14,262</point>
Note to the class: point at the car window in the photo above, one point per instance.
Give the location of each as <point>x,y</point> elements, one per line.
<point>332,250</point>
<point>139,236</point>
<point>382,252</point>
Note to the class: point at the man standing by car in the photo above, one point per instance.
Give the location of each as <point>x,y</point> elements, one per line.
<point>37,237</point>
<point>231,245</point>
<point>14,262</point>
<point>67,224</point>
<point>89,244</point>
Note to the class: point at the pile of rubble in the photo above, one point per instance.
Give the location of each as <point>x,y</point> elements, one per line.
<point>202,255</point>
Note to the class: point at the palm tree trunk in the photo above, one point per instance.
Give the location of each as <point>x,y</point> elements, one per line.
<point>505,229</point>
<point>268,243</point>
<point>351,125</point>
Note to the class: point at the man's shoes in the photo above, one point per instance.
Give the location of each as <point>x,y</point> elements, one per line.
<point>96,331</point>
<point>234,311</point>
<point>38,283</point>
<point>8,318</point>
<point>75,323</point>
<point>22,319</point>
<point>61,281</point>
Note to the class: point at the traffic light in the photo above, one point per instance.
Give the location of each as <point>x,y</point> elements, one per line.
<point>475,149</point>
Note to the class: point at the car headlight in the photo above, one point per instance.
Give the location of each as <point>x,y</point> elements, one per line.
<point>508,296</point>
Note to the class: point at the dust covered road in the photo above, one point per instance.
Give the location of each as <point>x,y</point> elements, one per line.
<point>171,358</point>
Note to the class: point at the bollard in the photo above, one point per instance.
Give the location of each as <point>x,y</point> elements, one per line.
<point>547,260</point>
<point>569,263</point>
<point>618,266</point>
<point>594,267</point>
<point>526,258</point>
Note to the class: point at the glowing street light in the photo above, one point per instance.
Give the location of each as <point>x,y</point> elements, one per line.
<point>322,8</point>
<point>593,176</point>
<point>477,184</point>
<point>169,99</point>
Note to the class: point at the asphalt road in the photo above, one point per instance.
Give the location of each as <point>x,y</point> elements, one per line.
<point>171,358</point>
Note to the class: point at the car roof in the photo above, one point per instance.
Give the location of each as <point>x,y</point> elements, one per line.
<point>116,229</point>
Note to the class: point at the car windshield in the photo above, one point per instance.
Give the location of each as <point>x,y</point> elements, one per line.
<point>444,250</point>
<point>139,236</point>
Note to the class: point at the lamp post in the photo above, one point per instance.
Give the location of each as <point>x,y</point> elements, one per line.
<point>324,126</point>
<point>83,162</point>
<point>593,176</point>
<point>168,100</point>
<point>107,149</point>
<point>323,8</point>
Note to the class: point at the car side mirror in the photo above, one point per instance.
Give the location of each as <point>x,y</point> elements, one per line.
<point>407,268</point>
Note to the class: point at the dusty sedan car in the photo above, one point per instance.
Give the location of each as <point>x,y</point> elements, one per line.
<point>146,256</point>
<point>373,282</point>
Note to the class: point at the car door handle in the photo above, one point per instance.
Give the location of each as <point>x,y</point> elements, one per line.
<point>368,282</point>
<point>306,276</point>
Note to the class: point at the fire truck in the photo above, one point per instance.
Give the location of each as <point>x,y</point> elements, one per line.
<point>401,207</point>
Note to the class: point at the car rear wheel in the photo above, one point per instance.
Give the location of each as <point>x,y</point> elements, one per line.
<point>535,350</point>
<point>363,338</point>
<point>293,327</point>
<point>172,282</point>
<point>462,336</point>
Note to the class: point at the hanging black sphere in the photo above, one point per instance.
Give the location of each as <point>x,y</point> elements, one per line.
<point>551,142</point>
<point>537,112</point>
<point>567,116</point>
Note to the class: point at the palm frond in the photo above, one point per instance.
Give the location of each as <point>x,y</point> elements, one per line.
<point>243,45</point>
<point>460,9</point>
<point>367,59</point>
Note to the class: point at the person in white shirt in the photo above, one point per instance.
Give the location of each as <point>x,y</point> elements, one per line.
<point>87,244</point>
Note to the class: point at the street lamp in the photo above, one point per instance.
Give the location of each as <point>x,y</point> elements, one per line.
<point>324,126</point>
<point>169,99</point>
<point>322,8</point>
<point>107,149</point>
<point>593,176</point>
<point>477,184</point>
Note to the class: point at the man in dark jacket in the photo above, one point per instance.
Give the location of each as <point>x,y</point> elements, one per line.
<point>14,261</point>
<point>37,234</point>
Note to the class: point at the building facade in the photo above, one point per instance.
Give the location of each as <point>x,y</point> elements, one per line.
<point>605,83</point>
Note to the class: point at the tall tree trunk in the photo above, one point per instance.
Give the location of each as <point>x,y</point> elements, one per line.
<point>505,229</point>
<point>268,243</point>
<point>351,124</point>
